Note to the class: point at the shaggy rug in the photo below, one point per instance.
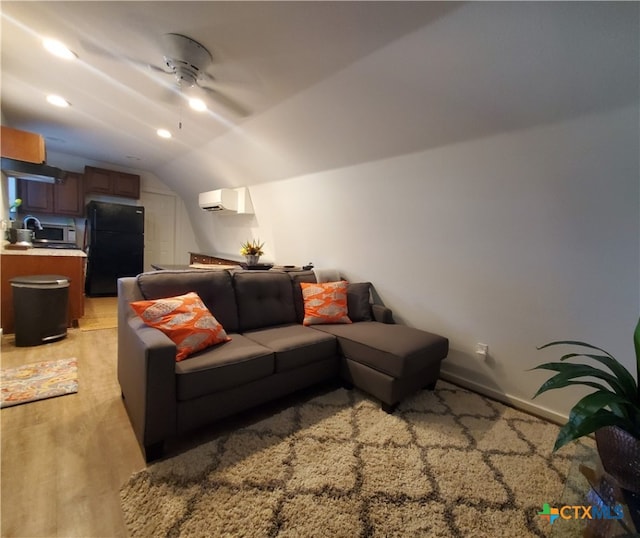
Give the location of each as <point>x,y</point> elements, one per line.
<point>31,382</point>
<point>447,463</point>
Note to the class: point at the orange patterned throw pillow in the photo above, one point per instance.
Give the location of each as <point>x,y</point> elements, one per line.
<point>325,302</point>
<point>185,319</point>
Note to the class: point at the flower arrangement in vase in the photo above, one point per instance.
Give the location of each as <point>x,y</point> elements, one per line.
<point>252,250</point>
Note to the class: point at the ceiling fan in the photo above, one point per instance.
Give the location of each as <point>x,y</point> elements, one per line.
<point>187,61</point>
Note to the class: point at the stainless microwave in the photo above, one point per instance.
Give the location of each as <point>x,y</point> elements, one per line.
<point>56,233</point>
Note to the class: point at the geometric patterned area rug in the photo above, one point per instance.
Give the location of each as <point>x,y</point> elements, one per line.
<point>38,381</point>
<point>446,463</point>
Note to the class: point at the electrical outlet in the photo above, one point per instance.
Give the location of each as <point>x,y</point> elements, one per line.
<point>482,350</point>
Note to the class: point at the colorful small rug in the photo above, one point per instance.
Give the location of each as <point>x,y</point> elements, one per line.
<point>32,382</point>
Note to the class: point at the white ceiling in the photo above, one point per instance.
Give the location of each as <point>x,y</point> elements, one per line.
<point>328,84</point>
<point>264,52</point>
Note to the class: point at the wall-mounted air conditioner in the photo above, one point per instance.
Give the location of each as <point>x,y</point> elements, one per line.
<point>227,201</point>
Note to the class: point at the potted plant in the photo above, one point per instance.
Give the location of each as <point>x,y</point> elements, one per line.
<point>252,250</point>
<point>612,411</point>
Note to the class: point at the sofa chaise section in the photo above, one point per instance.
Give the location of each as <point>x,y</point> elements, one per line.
<point>386,360</point>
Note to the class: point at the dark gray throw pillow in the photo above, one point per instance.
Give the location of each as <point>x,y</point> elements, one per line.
<point>358,306</point>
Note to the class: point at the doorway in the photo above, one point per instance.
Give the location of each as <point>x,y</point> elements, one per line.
<point>159,228</point>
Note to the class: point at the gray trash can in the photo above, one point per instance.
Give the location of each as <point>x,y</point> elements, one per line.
<point>40,305</point>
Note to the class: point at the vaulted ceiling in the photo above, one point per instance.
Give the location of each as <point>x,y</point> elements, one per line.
<point>325,84</point>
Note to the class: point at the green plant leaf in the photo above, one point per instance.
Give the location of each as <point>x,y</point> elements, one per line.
<point>580,425</point>
<point>567,383</point>
<point>569,371</point>
<point>574,343</point>
<point>591,403</point>
<point>626,380</point>
<point>621,410</point>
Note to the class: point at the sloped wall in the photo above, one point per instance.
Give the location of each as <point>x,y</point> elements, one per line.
<point>512,240</point>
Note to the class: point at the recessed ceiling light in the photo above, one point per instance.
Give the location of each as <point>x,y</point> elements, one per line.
<point>56,100</point>
<point>197,104</point>
<point>58,49</point>
<point>163,133</point>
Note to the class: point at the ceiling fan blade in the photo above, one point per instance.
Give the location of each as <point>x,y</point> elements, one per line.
<point>96,50</point>
<point>230,74</point>
<point>158,69</point>
<point>226,101</point>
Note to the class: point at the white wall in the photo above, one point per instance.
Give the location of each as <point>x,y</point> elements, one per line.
<point>513,240</point>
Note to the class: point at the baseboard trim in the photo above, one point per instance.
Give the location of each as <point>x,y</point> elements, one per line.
<point>513,401</point>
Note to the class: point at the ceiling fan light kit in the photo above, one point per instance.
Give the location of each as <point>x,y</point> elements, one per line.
<point>58,101</point>
<point>185,58</point>
<point>188,61</point>
<point>197,104</point>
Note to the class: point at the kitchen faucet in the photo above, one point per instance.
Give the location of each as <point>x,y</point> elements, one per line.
<point>29,217</point>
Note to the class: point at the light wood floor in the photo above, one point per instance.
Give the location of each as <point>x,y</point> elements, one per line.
<point>99,313</point>
<point>64,459</point>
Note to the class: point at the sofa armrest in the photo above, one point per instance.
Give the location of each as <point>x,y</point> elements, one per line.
<point>381,313</point>
<point>146,372</point>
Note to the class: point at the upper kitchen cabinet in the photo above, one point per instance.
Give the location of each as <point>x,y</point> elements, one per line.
<point>64,198</point>
<point>68,196</point>
<point>102,181</point>
<point>22,145</point>
<point>36,196</point>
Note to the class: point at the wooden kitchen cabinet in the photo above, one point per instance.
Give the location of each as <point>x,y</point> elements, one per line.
<point>22,145</point>
<point>112,182</point>
<point>207,259</point>
<point>66,198</point>
<point>97,180</point>
<point>22,264</point>
<point>127,185</point>
<point>36,196</point>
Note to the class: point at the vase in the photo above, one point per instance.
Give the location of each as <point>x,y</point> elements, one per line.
<point>252,259</point>
<point>620,455</point>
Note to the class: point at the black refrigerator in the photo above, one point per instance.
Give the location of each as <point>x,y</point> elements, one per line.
<point>115,235</point>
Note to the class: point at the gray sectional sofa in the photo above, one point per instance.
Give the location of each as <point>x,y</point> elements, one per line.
<point>271,353</point>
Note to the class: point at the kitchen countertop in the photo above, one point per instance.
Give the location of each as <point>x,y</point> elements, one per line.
<point>74,253</point>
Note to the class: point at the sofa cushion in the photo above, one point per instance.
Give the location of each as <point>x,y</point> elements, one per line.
<point>218,368</point>
<point>215,288</point>
<point>396,350</point>
<point>359,301</point>
<point>265,298</point>
<point>185,320</point>
<point>295,345</point>
<point>325,302</point>
<point>298,301</point>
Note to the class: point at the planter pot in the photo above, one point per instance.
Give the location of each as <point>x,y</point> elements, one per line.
<point>620,455</point>
<point>252,259</point>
